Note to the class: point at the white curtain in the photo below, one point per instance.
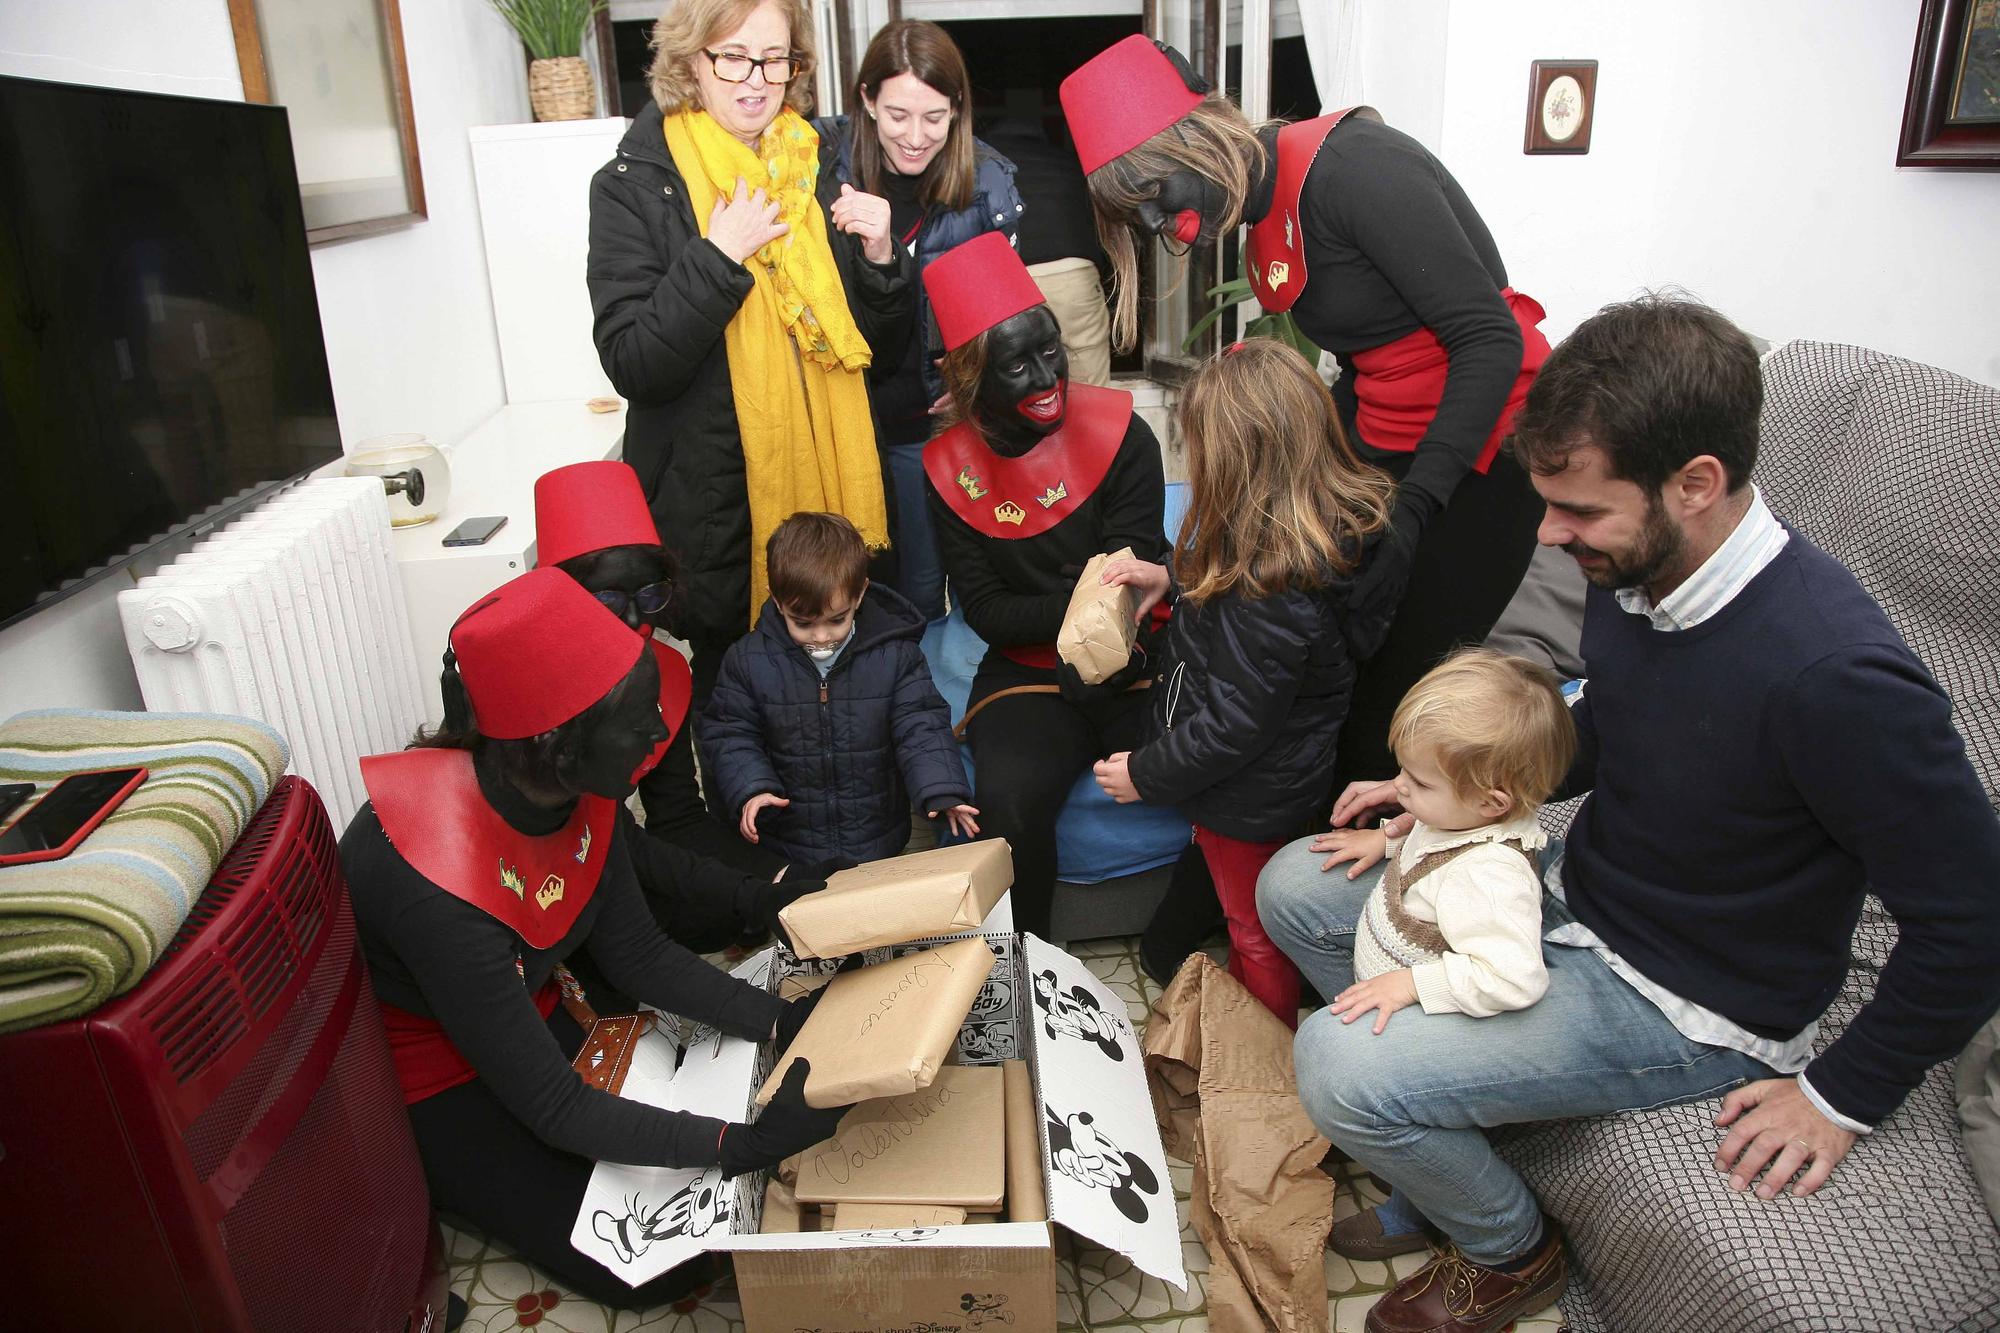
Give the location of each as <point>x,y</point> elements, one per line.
<point>1332,32</point>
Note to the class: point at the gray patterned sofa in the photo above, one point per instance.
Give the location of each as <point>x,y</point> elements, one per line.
<point>1894,468</point>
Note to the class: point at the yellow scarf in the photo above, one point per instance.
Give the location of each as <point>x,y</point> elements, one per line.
<point>795,356</point>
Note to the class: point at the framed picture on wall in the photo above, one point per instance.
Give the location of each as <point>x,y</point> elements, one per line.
<point>1951,118</point>
<point>1562,104</point>
<point>337,67</point>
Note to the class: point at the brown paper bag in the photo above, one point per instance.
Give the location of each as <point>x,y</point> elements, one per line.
<point>881,1030</point>
<point>1027,1196</point>
<point>901,898</point>
<point>1098,629</point>
<point>1220,1068</point>
<point>939,1145</point>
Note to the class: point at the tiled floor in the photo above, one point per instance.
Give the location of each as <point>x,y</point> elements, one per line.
<point>1096,1288</point>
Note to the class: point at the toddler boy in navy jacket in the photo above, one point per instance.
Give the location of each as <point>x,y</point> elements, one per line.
<point>824,725</point>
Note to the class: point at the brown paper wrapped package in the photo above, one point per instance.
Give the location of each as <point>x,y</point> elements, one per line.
<point>901,898</point>
<point>886,1029</point>
<point>1220,1068</point>
<point>781,1210</point>
<point>1098,630</point>
<point>939,1145</point>
<point>893,1216</point>
<point>1027,1196</point>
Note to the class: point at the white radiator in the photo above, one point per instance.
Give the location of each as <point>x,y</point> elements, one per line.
<point>293,614</point>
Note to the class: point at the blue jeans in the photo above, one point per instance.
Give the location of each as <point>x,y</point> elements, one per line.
<point>1411,1104</point>
<point>920,573</point>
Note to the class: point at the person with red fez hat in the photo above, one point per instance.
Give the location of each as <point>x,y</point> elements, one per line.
<point>487,855</point>
<point>706,888</point>
<point>1377,252</point>
<point>1033,476</point>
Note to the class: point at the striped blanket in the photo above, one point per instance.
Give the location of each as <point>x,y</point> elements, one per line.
<point>75,932</point>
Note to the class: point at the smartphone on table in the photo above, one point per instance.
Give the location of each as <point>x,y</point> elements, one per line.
<point>475,531</point>
<point>52,827</point>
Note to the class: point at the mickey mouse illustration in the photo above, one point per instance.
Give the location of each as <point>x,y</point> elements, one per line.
<point>983,1310</point>
<point>1077,1015</point>
<point>1079,1150</point>
<point>693,1212</point>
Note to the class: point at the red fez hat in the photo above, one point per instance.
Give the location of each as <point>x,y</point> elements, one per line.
<point>587,507</point>
<point>537,651</point>
<point>1121,97</point>
<point>976,285</point>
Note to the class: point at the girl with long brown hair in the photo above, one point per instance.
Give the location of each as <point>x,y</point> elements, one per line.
<point>909,141</point>
<point>1249,698</point>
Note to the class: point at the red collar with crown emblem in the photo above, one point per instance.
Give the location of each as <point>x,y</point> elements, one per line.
<point>1024,497</point>
<point>431,807</point>
<point>1278,239</point>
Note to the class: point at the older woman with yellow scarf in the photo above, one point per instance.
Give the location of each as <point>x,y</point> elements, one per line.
<point>738,299</point>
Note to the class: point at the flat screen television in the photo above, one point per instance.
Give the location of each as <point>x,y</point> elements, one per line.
<point>161,365</point>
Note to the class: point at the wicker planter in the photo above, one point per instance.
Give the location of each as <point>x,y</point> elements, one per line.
<point>560,89</point>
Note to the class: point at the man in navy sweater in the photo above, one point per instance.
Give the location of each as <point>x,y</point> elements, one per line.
<point>1760,748</point>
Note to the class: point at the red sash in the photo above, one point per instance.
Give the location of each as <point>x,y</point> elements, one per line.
<point>426,1061</point>
<point>1023,497</point>
<point>431,807</point>
<point>676,693</point>
<point>1397,386</point>
<point>1278,240</point>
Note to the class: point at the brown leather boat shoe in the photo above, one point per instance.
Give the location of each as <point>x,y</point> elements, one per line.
<point>1361,1237</point>
<point>1451,1294</point>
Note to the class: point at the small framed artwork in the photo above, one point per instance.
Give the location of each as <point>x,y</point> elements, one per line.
<point>1562,103</point>
<point>1951,118</point>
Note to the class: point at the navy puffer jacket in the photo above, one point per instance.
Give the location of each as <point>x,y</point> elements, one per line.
<point>1247,707</point>
<point>849,753</point>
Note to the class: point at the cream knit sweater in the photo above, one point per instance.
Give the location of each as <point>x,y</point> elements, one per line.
<point>1469,928</point>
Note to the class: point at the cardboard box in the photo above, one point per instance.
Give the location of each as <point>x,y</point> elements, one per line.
<point>1098,628</point>
<point>944,1144</point>
<point>1100,1158</point>
<point>886,1028</point>
<point>925,894</point>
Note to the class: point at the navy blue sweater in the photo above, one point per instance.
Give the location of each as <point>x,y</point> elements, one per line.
<point>1750,779</point>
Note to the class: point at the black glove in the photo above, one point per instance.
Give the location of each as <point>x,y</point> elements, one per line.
<point>1386,564</point>
<point>795,1016</point>
<point>787,1126</point>
<point>1074,691</point>
<point>768,899</point>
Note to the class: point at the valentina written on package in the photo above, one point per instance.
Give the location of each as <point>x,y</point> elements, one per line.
<point>927,1217</point>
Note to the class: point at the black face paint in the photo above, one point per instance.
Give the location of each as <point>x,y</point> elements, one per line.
<point>618,740</point>
<point>1023,394</point>
<point>1187,210</point>
<point>623,570</point>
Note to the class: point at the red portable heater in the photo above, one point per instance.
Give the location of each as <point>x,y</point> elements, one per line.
<point>224,1147</point>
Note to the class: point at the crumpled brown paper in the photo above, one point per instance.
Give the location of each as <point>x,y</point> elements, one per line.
<point>1097,630</point>
<point>1220,1068</point>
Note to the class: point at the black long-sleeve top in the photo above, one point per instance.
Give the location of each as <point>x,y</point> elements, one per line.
<point>1393,244</point>
<point>1015,591</point>
<point>436,956</point>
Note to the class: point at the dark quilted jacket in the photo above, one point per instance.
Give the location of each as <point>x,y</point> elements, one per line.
<point>661,298</point>
<point>850,756</point>
<point>1247,707</point>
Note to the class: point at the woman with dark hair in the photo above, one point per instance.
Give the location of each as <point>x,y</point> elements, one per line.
<point>740,294</point>
<point>706,887</point>
<point>1034,476</point>
<point>944,187</point>
<point>486,857</point>
<point>1381,258</point>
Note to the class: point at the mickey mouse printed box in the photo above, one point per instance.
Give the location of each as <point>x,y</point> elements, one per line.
<point>1103,1169</point>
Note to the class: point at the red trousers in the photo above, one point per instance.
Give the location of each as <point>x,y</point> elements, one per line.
<point>1253,960</point>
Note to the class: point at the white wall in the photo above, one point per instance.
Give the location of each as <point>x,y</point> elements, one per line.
<point>406,315</point>
<point>1743,151</point>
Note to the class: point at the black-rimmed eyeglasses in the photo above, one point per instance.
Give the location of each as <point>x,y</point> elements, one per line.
<point>732,67</point>
<point>650,600</point>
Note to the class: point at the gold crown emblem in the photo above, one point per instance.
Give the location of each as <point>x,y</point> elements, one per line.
<point>1276,276</point>
<point>1009,512</point>
<point>973,490</point>
<point>1047,499</point>
<point>550,892</point>
<point>511,880</point>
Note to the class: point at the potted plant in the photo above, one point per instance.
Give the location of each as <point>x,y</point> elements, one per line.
<point>559,86</point>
